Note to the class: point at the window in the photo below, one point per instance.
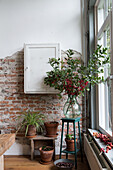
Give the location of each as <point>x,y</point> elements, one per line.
<point>103,9</point>
<point>103,31</point>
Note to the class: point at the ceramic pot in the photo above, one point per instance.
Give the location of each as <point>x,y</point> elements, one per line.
<point>70,145</point>
<point>46,156</point>
<point>51,128</point>
<point>31,130</point>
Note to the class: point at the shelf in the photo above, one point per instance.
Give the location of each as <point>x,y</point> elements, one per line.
<point>71,152</point>
<point>77,119</point>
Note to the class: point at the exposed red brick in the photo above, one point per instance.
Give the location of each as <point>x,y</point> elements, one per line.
<point>55,112</point>
<point>40,109</point>
<point>10,127</point>
<point>1,105</point>
<point>31,105</point>
<point>9,60</point>
<point>49,112</point>
<point>10,98</point>
<point>27,101</point>
<point>4,102</point>
<point>16,101</point>
<point>19,68</point>
<point>2,109</point>
<point>25,109</point>
<point>23,105</point>
<point>10,82</point>
<point>18,112</point>
<point>11,75</point>
<point>14,109</point>
<point>7,112</point>
<point>12,116</point>
<point>39,102</point>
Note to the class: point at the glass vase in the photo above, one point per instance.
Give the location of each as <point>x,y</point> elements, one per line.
<point>71,109</point>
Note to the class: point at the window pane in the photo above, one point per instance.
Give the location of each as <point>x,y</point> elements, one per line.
<point>108,83</point>
<point>102,105</point>
<point>105,89</point>
<point>101,14</point>
<point>101,91</point>
<point>109,4</point>
<point>104,8</point>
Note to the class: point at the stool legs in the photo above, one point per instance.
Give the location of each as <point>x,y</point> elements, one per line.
<point>67,133</point>
<point>61,139</point>
<point>54,150</point>
<point>80,141</point>
<point>32,149</point>
<point>75,145</point>
<point>74,121</point>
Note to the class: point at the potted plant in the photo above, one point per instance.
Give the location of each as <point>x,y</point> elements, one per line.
<point>46,153</point>
<point>70,142</point>
<point>51,128</point>
<point>32,122</point>
<point>73,78</point>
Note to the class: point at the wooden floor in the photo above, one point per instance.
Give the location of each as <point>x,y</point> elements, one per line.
<point>24,163</point>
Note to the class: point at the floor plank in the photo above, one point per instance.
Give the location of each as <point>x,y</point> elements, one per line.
<point>24,163</point>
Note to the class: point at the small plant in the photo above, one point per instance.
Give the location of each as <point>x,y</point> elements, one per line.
<point>47,148</point>
<point>31,119</point>
<point>69,136</point>
<point>70,146</point>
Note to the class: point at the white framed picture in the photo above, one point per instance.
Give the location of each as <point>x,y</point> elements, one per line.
<point>36,57</point>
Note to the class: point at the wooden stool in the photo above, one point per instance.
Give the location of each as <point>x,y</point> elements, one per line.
<point>40,141</point>
<point>71,120</point>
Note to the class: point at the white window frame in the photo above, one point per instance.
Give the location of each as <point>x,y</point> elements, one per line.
<point>108,22</point>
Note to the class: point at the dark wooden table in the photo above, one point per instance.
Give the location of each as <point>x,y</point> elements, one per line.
<point>40,141</point>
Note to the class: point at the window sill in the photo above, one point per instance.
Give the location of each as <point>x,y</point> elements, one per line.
<point>108,156</point>
<point>106,132</point>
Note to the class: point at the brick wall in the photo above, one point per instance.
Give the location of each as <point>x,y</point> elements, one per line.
<point>13,101</point>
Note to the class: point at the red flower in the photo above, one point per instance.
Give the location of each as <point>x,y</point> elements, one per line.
<point>102,150</point>
<point>86,83</point>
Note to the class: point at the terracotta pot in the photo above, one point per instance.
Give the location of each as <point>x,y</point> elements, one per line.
<point>31,130</point>
<point>70,145</point>
<point>51,128</point>
<point>46,156</point>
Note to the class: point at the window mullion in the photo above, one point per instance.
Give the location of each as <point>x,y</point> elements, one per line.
<point>97,3</point>
<point>106,88</point>
<point>104,26</point>
<point>106,9</point>
<point>112,69</point>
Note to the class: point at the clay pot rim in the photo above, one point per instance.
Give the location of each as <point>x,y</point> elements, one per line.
<point>40,149</point>
<point>69,140</point>
<point>51,122</point>
<point>32,125</point>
